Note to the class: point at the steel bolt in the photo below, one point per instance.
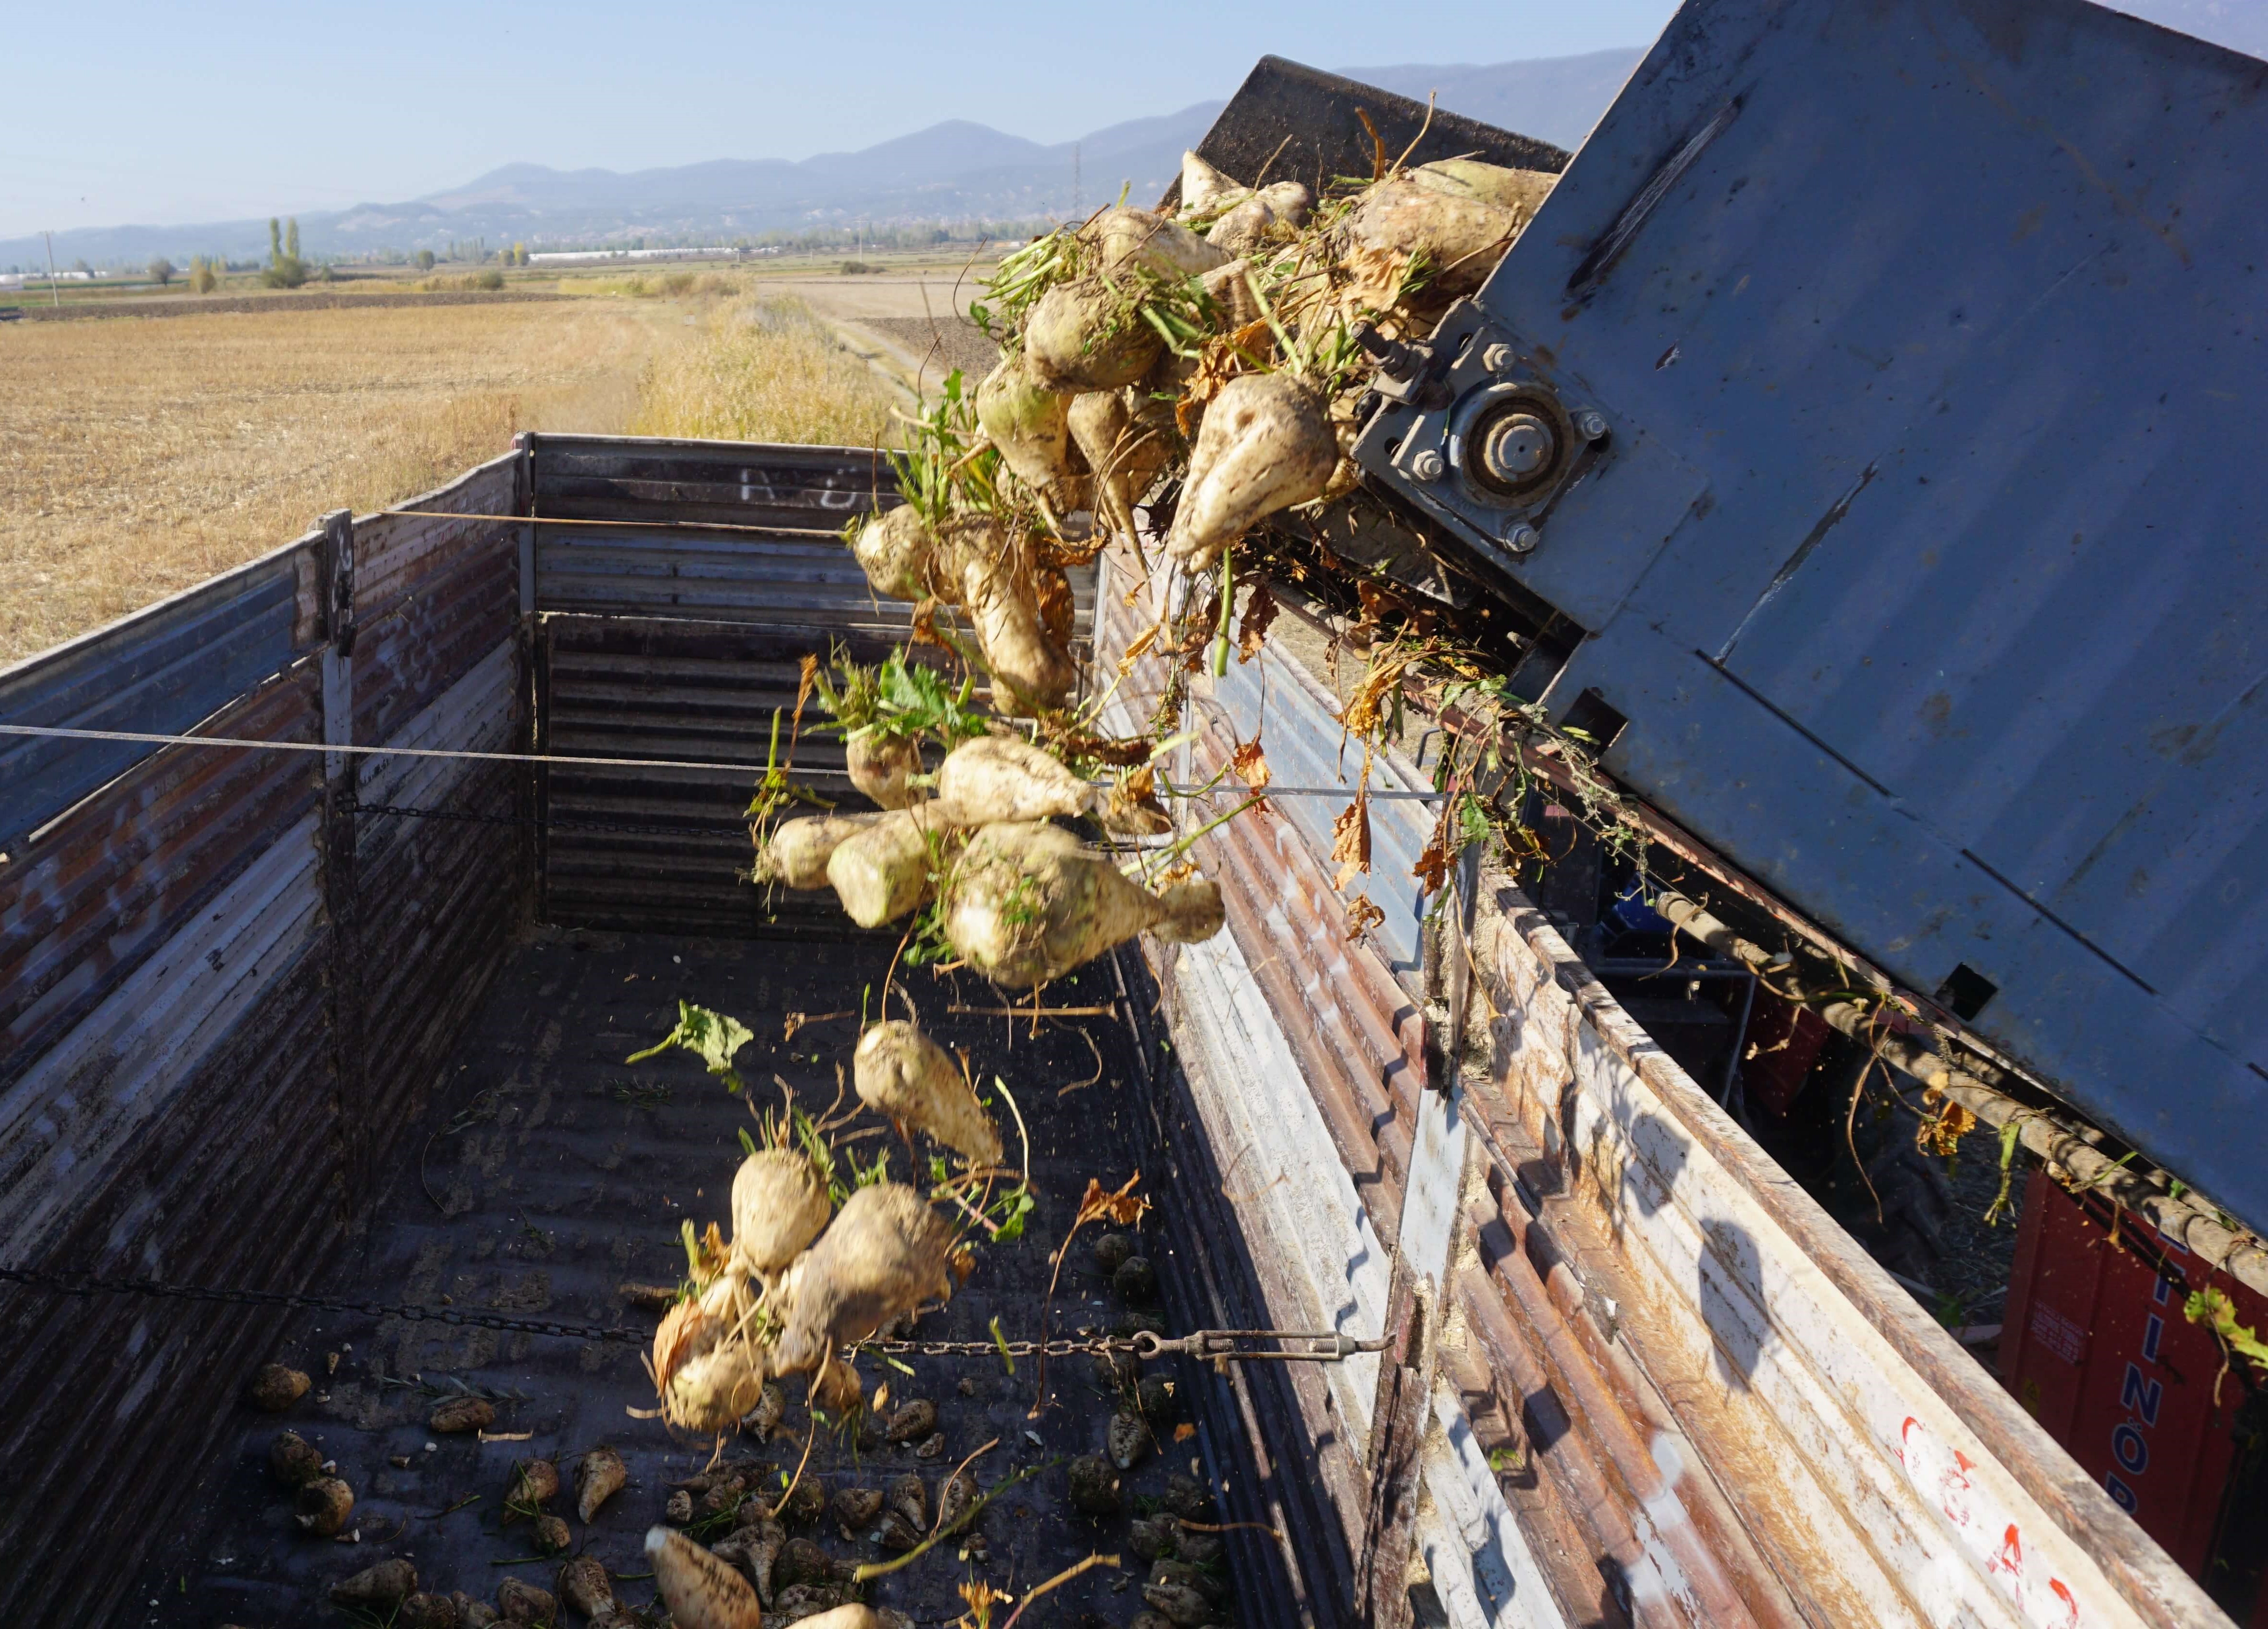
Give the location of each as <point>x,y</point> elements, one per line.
<point>1521,538</point>
<point>1426,465</point>
<point>1594,426</point>
<point>1517,447</point>
<point>1498,358</point>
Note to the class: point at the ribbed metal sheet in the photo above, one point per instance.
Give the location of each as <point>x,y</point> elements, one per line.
<point>705,692</point>
<point>166,1111</point>
<point>806,489</point>
<point>1356,1030</point>
<point>159,671</point>
<point>1923,556</point>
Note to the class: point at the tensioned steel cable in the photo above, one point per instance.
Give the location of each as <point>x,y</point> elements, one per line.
<point>150,738</point>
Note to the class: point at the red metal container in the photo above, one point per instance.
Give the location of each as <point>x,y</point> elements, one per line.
<point>2097,1349</point>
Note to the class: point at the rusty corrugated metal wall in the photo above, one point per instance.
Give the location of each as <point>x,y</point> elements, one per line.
<point>221,988</point>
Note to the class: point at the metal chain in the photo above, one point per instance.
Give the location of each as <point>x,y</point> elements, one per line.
<point>555,825</point>
<point>1324,1346</point>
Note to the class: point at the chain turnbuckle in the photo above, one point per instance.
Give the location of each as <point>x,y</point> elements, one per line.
<point>1227,1346</point>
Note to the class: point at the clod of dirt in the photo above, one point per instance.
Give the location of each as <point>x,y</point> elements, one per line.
<point>932,1447</point>
<point>534,1483</point>
<point>294,1461</point>
<point>882,1256</point>
<point>1170,1571</point>
<point>894,1532</point>
<point>518,1602</point>
<point>956,1501</point>
<point>599,1476</point>
<point>274,1388</point>
<point>384,1587</point>
<point>1132,1324</point>
<point>584,1585</point>
<point>763,1543</point>
<point>472,1614</point>
<point>1180,1605</point>
<point>1093,1485</point>
<point>1199,1549</point>
<point>918,1419</point>
<point>803,1602</point>
<point>770,1409</point>
<point>801,1561</point>
<point>651,1297</point>
<point>1152,1536</point>
<point>804,1505</point>
<point>1156,1398</point>
<point>1116,1371</point>
<point>780,1205</point>
<point>1128,1440</point>
<point>552,1535</point>
<point>908,1496</point>
<point>856,1507</point>
<point>965,1385</point>
<point>1136,1281</point>
<point>460,1414</point>
<point>701,1590</point>
<point>678,1509</point>
<point>323,1506</point>
<point>428,1612</point>
<point>1111,1251</point>
<point>902,1075</point>
<point>1188,1498</point>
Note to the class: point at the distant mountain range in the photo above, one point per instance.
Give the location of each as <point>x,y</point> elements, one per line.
<point>953,172</point>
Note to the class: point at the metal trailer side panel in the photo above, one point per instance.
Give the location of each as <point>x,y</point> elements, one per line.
<point>1921,552</point>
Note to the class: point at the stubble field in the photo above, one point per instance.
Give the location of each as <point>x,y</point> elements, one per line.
<point>140,457</point>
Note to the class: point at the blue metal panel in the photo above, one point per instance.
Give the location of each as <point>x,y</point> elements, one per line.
<point>1958,312</point>
<point>161,670</point>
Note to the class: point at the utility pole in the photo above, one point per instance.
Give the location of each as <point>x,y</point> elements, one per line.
<point>55,291</point>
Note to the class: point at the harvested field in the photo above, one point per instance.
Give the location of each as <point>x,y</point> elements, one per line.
<point>143,457</point>
<point>764,368</point>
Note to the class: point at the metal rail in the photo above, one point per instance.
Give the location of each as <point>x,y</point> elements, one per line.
<point>2048,1134</point>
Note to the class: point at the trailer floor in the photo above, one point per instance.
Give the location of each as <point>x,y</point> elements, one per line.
<point>546,1173</point>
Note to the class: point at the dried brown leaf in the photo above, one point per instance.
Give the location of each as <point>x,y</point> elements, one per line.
<point>1251,765</point>
<point>1351,838</point>
<point>1260,608</point>
<point>1432,870</point>
<point>1361,916</point>
<point>1123,1207</point>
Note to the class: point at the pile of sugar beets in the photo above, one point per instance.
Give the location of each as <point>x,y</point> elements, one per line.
<point>1211,360</point>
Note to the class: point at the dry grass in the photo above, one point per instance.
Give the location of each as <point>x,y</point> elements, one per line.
<point>143,457</point>
<point>764,370</point>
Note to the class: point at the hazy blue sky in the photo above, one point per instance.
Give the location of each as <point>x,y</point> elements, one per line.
<point>164,113</point>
